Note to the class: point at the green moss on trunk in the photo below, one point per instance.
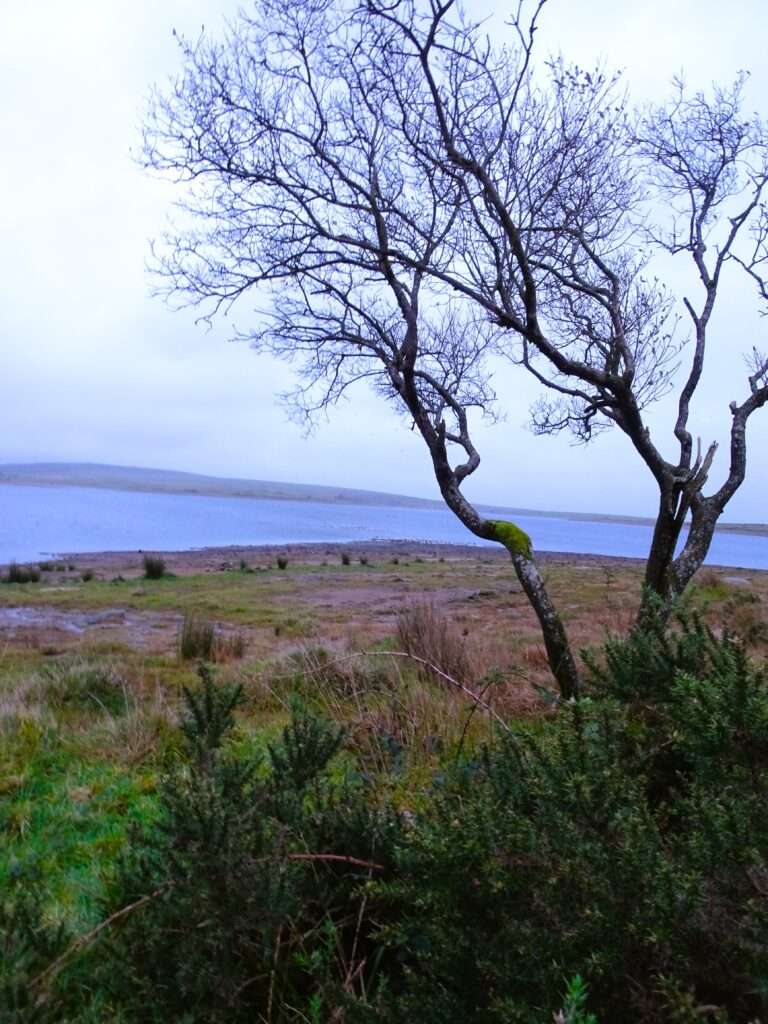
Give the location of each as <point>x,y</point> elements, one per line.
<point>515,540</point>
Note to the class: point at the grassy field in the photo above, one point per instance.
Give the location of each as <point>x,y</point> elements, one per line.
<point>91,674</point>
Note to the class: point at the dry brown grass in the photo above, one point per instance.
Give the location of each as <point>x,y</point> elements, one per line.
<point>424,631</point>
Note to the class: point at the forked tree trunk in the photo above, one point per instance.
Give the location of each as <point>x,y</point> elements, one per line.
<point>659,586</point>
<point>667,576</point>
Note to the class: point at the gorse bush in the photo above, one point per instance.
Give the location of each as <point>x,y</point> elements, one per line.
<point>258,872</point>
<point>608,863</point>
<point>626,842</point>
<point>28,945</point>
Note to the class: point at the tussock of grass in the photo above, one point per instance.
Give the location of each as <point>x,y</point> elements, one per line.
<point>154,567</point>
<point>196,638</point>
<point>22,574</point>
<point>427,633</point>
<point>200,639</point>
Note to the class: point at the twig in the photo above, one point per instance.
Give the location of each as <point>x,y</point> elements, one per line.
<point>273,974</point>
<point>477,700</point>
<point>339,857</point>
<point>83,940</point>
<point>472,710</point>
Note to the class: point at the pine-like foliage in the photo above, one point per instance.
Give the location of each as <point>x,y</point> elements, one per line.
<point>621,843</point>
<point>28,945</point>
<point>257,874</point>
<point>626,843</point>
<point>210,715</point>
<point>308,744</point>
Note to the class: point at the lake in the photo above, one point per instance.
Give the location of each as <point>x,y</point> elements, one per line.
<point>38,522</point>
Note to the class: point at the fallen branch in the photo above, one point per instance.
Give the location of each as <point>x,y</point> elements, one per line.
<point>339,857</point>
<point>53,969</point>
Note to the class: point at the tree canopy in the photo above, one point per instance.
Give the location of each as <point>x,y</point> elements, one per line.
<point>411,200</point>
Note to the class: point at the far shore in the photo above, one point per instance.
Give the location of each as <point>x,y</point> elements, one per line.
<point>149,481</point>
<point>263,556</point>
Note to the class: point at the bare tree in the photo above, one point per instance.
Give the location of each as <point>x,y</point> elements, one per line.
<point>410,201</point>
<point>563,191</point>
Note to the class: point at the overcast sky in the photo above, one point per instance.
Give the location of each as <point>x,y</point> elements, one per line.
<point>93,369</point>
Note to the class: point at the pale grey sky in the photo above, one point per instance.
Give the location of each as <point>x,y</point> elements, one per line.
<point>94,369</point>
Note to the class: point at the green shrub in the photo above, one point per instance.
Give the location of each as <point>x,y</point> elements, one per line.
<point>345,558</point>
<point>154,567</point>
<point>28,945</point>
<point>282,562</point>
<point>624,842</point>
<point>257,878</point>
<point>608,863</point>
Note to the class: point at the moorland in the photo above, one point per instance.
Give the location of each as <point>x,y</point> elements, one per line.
<point>421,657</point>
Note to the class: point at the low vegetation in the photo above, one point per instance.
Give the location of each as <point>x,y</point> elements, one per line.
<point>373,831</point>
<point>22,573</point>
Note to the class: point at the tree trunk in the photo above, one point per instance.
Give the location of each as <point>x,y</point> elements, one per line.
<point>561,661</point>
<point>659,580</point>
<point>706,513</point>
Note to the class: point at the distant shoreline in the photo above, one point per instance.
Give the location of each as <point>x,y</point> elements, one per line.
<point>150,481</point>
<point>230,558</point>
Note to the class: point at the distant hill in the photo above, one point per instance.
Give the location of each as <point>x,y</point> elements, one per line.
<point>168,481</point>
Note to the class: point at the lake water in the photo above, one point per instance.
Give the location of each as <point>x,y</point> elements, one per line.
<point>39,522</point>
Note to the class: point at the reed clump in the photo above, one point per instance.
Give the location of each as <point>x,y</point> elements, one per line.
<point>154,567</point>
<point>22,573</point>
<point>428,634</point>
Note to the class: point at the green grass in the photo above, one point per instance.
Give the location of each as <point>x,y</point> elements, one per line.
<point>65,819</point>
